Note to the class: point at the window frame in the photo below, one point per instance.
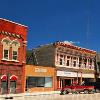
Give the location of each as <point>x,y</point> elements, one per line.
<point>36,82</point>
<point>16,50</point>
<point>6,42</point>
<point>14,55</point>
<point>74,63</point>
<point>4,54</point>
<point>68,62</point>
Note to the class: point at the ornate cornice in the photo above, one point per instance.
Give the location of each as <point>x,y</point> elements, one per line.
<point>10,34</point>
<point>83,50</point>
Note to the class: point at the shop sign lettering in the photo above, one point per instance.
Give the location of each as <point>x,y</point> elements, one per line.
<point>42,70</point>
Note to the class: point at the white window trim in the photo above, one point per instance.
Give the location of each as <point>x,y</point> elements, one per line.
<point>17,55</point>
<point>15,50</point>
<point>3,54</point>
<point>7,38</point>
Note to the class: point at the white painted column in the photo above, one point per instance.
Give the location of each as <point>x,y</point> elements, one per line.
<point>66,60</point>
<point>82,66</point>
<point>71,61</point>
<point>93,64</point>
<point>78,62</point>
<point>87,64</point>
<point>58,62</point>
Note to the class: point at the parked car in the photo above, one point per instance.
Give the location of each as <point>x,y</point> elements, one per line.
<point>96,86</point>
<point>77,89</point>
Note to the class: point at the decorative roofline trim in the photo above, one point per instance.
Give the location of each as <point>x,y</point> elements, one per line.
<point>10,34</point>
<point>74,47</point>
<point>15,41</point>
<point>13,22</point>
<point>6,38</point>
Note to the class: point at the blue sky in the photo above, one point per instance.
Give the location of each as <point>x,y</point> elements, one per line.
<point>56,20</point>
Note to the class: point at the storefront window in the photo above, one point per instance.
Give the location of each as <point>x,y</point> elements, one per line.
<point>31,82</point>
<point>48,82</point>
<point>39,82</point>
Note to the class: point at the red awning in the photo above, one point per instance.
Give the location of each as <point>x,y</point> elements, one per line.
<point>13,77</point>
<point>4,77</point>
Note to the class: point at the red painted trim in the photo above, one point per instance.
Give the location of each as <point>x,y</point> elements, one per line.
<point>13,77</point>
<point>4,77</point>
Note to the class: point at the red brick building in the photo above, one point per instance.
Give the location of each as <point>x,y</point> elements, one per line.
<point>12,56</point>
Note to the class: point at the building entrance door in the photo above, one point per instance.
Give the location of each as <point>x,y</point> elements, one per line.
<point>12,86</point>
<point>67,82</point>
<point>3,87</point>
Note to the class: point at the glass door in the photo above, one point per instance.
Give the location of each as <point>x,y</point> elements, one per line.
<point>3,87</point>
<point>12,86</point>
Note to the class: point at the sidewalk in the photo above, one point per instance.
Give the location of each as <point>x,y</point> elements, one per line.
<point>42,93</point>
<point>29,94</point>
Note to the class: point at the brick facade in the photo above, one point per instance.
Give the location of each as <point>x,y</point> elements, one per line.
<point>12,39</point>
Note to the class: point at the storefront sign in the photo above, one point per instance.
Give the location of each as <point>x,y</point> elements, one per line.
<point>74,74</point>
<point>67,74</point>
<point>42,70</point>
<point>88,75</point>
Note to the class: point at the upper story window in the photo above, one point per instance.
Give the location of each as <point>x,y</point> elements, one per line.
<point>62,59</point>
<point>7,44</point>
<point>15,54</point>
<point>68,61</point>
<point>6,48</point>
<point>6,54</point>
<point>15,46</point>
<point>68,57</point>
<point>74,61</point>
<point>90,61</point>
<point>85,62</point>
<point>80,61</point>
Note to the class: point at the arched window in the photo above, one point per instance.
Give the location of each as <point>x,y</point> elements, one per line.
<point>15,46</point>
<point>6,47</point>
